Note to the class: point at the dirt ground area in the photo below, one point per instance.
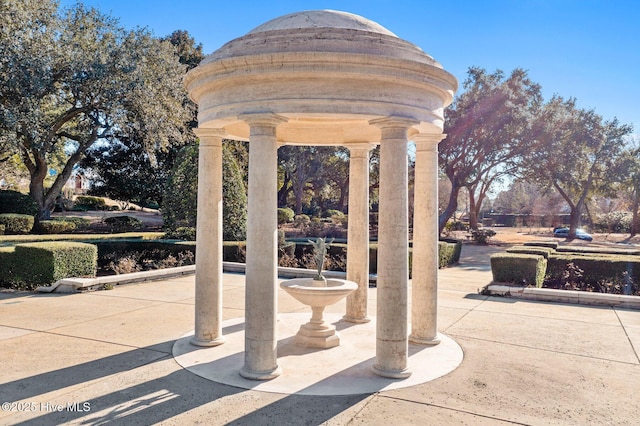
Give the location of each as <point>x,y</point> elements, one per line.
<point>511,236</point>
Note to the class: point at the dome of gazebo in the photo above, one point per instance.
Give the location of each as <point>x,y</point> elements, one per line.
<point>322,19</point>
<point>328,72</point>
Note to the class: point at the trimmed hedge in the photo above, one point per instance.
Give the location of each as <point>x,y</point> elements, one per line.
<point>16,223</point>
<point>187,233</point>
<point>33,264</point>
<point>457,251</point>
<point>518,268</point>
<point>79,222</point>
<point>598,250</point>
<point>7,264</point>
<point>541,251</point>
<point>90,203</point>
<point>234,251</point>
<point>55,227</point>
<point>596,268</point>
<point>123,223</point>
<point>17,202</point>
<point>110,249</point>
<point>549,244</point>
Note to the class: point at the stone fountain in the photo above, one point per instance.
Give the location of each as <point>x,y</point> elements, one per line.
<point>318,292</point>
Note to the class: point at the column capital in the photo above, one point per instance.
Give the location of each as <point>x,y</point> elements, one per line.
<point>427,141</point>
<point>209,136</point>
<point>359,146</point>
<point>394,122</point>
<point>263,119</point>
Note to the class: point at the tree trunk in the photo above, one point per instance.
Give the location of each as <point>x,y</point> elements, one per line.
<point>473,210</point>
<point>283,193</point>
<point>343,198</point>
<point>451,208</point>
<point>298,192</point>
<point>635,221</point>
<point>36,188</point>
<point>575,219</point>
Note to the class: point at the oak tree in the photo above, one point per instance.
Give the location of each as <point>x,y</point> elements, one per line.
<point>72,78</point>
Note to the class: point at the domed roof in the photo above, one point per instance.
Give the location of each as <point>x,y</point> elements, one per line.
<point>329,74</point>
<point>322,19</point>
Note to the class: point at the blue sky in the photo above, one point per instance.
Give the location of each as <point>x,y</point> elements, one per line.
<point>587,49</point>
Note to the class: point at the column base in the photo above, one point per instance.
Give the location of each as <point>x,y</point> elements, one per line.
<point>391,374</point>
<point>424,341</point>
<point>362,320</point>
<point>260,375</point>
<point>208,343</point>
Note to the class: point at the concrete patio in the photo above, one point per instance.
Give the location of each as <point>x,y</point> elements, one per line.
<point>106,356</point>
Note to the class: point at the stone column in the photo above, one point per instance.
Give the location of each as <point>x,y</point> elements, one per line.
<point>260,353</point>
<point>393,251</point>
<point>358,232</point>
<point>208,308</point>
<point>424,288</point>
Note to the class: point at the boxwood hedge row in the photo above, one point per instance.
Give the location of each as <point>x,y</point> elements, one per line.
<point>609,265</point>
<point>30,265</point>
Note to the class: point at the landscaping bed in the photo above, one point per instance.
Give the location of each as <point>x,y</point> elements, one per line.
<point>547,265</point>
<point>131,255</point>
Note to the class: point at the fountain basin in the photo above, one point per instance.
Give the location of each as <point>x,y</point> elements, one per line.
<point>318,333</point>
<point>304,291</point>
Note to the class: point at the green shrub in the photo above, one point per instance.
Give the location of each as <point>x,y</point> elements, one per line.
<point>595,268</point>
<point>445,253</point>
<point>45,263</point>
<point>373,259</point>
<point>17,202</point>
<point>1,229</point>
<point>518,268</point>
<point>16,223</point>
<point>541,251</point>
<point>234,251</point>
<point>80,222</point>
<point>179,206</point>
<point>482,236</point>
<point>456,226</point>
<point>301,221</point>
<point>332,213</point>
<point>55,227</point>
<point>618,222</point>
<point>91,203</point>
<point>451,258</point>
<point>285,215</point>
<point>187,233</point>
<point>123,223</point>
<point>7,265</point>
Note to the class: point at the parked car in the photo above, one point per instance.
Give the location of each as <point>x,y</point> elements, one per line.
<point>564,233</point>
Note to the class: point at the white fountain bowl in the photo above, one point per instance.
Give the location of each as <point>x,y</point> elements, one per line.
<point>303,291</point>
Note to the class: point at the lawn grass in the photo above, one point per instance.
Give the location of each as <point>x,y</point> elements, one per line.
<point>8,240</point>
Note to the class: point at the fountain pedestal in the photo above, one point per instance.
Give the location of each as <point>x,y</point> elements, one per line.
<point>318,333</point>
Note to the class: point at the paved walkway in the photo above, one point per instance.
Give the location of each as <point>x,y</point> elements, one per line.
<point>106,356</point>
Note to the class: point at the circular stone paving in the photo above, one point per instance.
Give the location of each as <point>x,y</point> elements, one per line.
<point>342,370</point>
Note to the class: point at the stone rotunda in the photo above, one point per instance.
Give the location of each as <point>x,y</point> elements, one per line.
<point>323,78</point>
